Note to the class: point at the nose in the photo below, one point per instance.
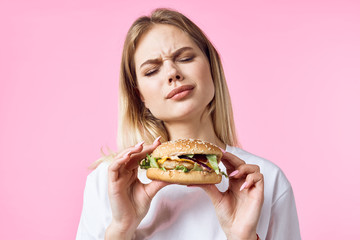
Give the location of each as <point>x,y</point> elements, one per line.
<point>177,77</point>
<point>174,73</point>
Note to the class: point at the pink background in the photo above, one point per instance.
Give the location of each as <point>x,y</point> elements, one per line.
<point>293,68</point>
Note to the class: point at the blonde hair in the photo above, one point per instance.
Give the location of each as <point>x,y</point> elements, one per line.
<point>136,123</point>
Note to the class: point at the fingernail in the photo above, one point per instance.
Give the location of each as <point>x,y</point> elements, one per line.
<point>139,144</point>
<point>157,139</point>
<point>243,186</point>
<point>127,154</point>
<point>233,173</point>
<point>222,150</point>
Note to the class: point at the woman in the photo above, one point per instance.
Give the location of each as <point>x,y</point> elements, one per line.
<point>172,86</point>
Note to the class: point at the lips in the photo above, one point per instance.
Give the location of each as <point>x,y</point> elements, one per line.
<point>178,90</point>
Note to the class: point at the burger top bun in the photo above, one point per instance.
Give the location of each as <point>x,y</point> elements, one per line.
<point>186,146</point>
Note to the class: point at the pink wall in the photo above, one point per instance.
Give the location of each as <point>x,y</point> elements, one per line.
<point>293,71</point>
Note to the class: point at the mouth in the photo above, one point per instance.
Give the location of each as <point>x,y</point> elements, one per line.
<point>180,92</point>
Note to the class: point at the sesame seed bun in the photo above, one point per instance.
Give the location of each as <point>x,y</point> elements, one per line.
<point>184,147</point>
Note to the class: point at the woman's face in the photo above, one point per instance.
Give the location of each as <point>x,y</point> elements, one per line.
<point>173,74</point>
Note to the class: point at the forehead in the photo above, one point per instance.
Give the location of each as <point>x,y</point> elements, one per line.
<point>161,40</point>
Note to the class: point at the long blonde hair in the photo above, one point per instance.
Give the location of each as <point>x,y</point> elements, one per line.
<point>136,123</point>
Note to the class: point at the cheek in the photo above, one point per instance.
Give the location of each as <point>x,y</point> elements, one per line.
<point>149,93</point>
<point>206,79</point>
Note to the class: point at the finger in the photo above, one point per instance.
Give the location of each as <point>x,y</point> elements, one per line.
<point>229,168</point>
<point>152,188</point>
<point>214,193</point>
<point>119,155</point>
<point>114,168</point>
<point>244,170</point>
<point>147,149</point>
<point>137,146</point>
<point>232,160</point>
<point>136,152</point>
<point>121,158</point>
<point>253,179</point>
<point>139,155</point>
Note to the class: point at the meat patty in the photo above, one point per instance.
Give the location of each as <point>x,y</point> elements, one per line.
<point>171,164</point>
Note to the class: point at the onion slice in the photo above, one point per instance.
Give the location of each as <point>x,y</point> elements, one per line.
<point>198,162</point>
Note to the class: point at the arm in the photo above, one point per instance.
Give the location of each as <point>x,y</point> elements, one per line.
<point>96,211</point>
<point>115,201</point>
<point>284,222</point>
<point>115,232</point>
<point>129,198</point>
<point>239,208</point>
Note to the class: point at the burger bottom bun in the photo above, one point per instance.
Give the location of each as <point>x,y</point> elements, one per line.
<point>180,177</point>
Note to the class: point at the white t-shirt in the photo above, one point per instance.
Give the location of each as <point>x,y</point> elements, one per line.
<point>180,212</point>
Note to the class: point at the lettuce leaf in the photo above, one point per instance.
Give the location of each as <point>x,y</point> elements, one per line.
<point>213,162</point>
<point>197,168</point>
<point>223,173</point>
<point>182,168</point>
<point>145,163</point>
<point>153,162</point>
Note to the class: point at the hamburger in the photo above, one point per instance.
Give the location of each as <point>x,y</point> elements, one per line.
<point>184,161</point>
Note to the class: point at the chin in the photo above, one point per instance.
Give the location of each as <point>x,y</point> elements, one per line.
<point>184,111</point>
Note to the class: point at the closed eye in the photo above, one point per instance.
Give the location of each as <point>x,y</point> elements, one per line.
<point>186,59</point>
<point>151,72</point>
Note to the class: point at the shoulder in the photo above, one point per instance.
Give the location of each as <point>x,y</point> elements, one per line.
<point>96,182</point>
<point>96,211</point>
<point>99,172</point>
<point>250,158</point>
<point>274,177</point>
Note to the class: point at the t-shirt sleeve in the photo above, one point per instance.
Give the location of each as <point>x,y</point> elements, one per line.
<point>284,222</point>
<point>96,211</point>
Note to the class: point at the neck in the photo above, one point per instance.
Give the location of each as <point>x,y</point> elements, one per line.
<point>194,128</point>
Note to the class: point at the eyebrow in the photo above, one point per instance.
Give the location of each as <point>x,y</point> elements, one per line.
<point>175,54</point>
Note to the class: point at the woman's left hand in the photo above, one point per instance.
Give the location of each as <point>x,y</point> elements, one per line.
<point>238,209</point>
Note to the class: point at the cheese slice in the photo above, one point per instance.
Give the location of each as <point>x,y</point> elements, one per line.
<point>184,160</point>
<point>162,160</point>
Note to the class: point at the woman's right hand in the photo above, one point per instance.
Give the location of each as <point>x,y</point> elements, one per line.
<point>129,198</point>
